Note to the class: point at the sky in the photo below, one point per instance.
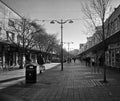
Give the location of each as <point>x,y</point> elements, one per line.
<point>49,10</point>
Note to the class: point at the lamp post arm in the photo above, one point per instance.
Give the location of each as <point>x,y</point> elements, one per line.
<point>57,21</point>
<point>66,21</point>
<point>62,22</point>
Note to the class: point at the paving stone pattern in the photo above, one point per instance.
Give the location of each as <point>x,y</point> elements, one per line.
<point>75,83</point>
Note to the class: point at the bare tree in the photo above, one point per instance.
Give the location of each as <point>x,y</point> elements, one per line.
<point>46,42</point>
<point>51,42</point>
<point>96,12</point>
<point>25,32</point>
<point>90,21</point>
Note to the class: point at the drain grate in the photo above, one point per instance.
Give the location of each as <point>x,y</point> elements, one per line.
<point>84,83</point>
<point>89,83</point>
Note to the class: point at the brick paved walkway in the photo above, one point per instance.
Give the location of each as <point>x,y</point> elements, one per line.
<point>75,83</point>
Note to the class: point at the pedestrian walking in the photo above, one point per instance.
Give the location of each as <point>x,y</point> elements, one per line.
<point>41,62</point>
<point>93,64</point>
<point>93,61</point>
<point>27,60</point>
<point>74,59</point>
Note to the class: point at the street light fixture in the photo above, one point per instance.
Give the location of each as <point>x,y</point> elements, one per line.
<point>61,22</point>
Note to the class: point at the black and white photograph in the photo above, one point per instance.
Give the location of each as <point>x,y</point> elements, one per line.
<point>59,50</point>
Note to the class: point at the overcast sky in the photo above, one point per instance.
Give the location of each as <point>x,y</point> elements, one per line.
<point>56,10</point>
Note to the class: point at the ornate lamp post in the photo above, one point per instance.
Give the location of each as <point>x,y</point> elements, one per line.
<point>61,22</point>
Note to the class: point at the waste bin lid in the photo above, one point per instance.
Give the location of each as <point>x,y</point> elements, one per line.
<point>31,64</point>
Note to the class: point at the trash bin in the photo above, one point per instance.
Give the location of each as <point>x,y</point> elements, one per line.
<point>31,75</point>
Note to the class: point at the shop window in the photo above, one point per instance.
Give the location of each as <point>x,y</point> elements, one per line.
<point>117,59</point>
<point>112,58</point>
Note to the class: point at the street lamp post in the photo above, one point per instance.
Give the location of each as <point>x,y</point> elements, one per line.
<point>68,49</point>
<point>61,22</point>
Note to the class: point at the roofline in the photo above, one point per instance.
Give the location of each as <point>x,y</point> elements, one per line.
<point>11,8</point>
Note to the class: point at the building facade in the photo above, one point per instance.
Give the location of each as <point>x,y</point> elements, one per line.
<point>10,54</point>
<point>112,38</point>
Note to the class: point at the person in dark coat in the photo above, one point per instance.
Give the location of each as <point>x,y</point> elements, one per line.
<point>40,60</point>
<point>74,59</point>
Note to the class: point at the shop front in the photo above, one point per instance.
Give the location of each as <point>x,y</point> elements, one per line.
<point>113,55</point>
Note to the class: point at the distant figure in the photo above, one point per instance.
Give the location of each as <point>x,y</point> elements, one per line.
<point>74,59</point>
<point>27,60</point>
<point>93,61</point>
<point>40,60</point>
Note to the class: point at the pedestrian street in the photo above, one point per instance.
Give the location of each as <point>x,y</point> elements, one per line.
<point>75,83</point>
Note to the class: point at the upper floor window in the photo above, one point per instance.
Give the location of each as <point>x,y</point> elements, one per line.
<point>108,30</point>
<point>105,31</point>
<point>119,19</point>
<point>0,29</point>
<point>10,23</point>
<point>10,36</point>
<point>115,24</point>
<point>112,28</point>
